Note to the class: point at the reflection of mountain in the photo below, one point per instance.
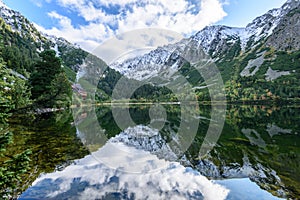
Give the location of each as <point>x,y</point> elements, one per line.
<point>261,143</point>
<point>258,142</point>
<point>150,178</point>
<point>146,139</point>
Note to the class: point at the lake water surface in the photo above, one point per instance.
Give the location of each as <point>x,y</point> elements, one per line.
<point>91,153</point>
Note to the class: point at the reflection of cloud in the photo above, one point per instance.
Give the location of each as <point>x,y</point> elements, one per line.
<point>110,17</point>
<point>89,178</point>
<point>245,188</point>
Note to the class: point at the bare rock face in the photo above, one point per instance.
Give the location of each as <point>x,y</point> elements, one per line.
<point>286,36</point>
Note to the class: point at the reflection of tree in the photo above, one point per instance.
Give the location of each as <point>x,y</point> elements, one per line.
<point>247,134</point>
<point>247,141</point>
<point>51,139</point>
<point>140,115</point>
<point>13,166</point>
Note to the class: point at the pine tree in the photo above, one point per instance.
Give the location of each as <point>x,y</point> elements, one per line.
<point>12,167</point>
<point>50,87</point>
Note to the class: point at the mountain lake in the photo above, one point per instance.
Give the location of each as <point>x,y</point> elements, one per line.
<point>88,153</point>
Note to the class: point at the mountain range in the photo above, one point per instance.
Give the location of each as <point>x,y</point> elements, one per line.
<point>260,61</point>
<point>257,62</point>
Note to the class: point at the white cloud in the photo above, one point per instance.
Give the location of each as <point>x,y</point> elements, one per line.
<point>88,37</point>
<point>180,15</point>
<point>38,3</point>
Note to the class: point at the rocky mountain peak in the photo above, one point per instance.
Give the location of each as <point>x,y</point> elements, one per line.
<point>278,28</point>
<point>2,4</point>
<point>19,24</point>
<point>286,35</point>
<point>25,29</point>
<point>215,39</point>
<point>263,26</point>
<point>291,4</point>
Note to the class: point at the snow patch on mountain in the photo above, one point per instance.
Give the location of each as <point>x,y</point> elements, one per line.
<point>263,26</point>
<point>2,4</point>
<point>212,37</point>
<point>214,40</point>
<point>253,65</point>
<point>145,66</point>
<point>274,74</point>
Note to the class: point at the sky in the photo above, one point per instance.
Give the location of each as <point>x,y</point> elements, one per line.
<point>88,23</point>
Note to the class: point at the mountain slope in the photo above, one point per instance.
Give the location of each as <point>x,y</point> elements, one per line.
<point>257,62</point>
<point>253,60</point>
<point>17,32</point>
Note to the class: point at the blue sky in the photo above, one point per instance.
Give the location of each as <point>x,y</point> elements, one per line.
<point>90,22</point>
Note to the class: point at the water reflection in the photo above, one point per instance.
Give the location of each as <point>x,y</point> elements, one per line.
<point>52,140</point>
<point>259,144</point>
<point>244,188</point>
<point>119,171</point>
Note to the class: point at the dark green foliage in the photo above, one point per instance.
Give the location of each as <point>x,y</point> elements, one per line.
<point>20,52</point>
<point>150,92</point>
<point>40,144</point>
<point>72,57</point>
<point>192,74</point>
<point>12,96</point>
<point>146,92</point>
<point>61,91</point>
<point>226,68</point>
<point>256,87</point>
<point>14,92</point>
<point>70,74</point>
<point>45,72</point>
<point>16,60</point>
<point>6,105</point>
<point>109,80</point>
<point>106,121</point>
<point>233,51</point>
<point>286,61</point>
<point>11,169</point>
<point>50,86</point>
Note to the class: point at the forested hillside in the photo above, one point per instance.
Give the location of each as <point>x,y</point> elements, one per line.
<point>36,72</point>
<point>258,63</point>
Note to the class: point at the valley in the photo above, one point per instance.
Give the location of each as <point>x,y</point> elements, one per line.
<point>219,107</point>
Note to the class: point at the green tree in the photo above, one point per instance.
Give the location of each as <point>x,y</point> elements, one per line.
<point>20,94</point>
<point>50,86</point>
<point>61,91</point>
<point>14,92</point>
<point>11,167</point>
<point>6,104</point>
